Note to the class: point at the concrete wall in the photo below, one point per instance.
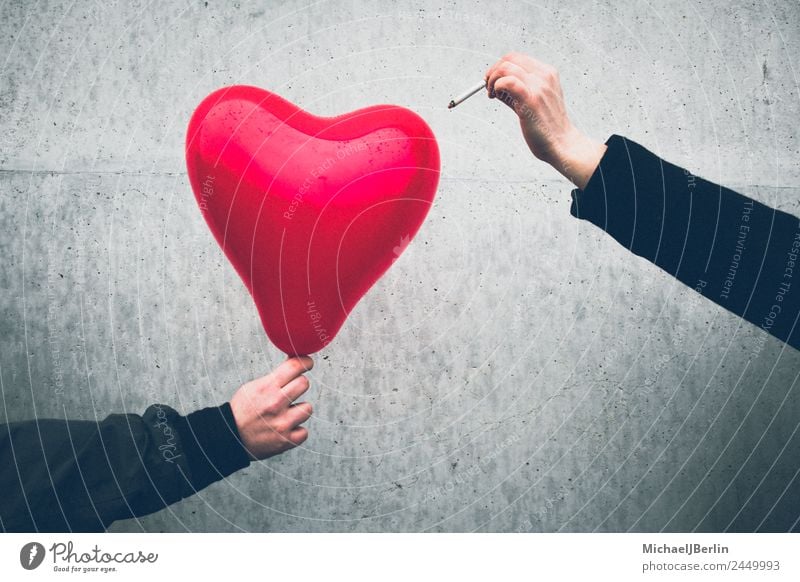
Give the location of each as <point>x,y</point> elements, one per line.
<point>516,370</point>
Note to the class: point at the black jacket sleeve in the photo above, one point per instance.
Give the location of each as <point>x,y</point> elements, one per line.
<point>737,252</point>
<point>67,475</point>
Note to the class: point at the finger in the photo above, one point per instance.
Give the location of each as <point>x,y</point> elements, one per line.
<point>291,369</point>
<point>527,62</point>
<point>298,436</point>
<point>491,71</point>
<point>511,91</point>
<point>504,69</point>
<point>296,388</point>
<point>299,413</point>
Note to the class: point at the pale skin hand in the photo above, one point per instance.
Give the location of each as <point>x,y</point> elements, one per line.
<point>532,89</point>
<point>266,416</point>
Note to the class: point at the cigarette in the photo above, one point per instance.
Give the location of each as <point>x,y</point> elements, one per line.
<point>466,95</point>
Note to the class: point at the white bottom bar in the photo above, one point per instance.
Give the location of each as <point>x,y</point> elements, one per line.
<point>387,557</point>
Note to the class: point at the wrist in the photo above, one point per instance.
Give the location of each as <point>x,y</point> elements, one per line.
<point>578,157</point>
<point>239,416</point>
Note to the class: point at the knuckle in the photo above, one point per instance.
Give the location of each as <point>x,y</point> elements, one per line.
<point>303,363</point>
<point>273,406</point>
<point>304,410</point>
<point>295,366</point>
<point>268,386</point>
<point>550,73</point>
<point>269,392</point>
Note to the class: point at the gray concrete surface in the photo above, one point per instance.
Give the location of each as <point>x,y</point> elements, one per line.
<point>516,370</point>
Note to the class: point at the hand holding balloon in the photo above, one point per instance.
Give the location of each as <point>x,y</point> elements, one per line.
<point>266,417</point>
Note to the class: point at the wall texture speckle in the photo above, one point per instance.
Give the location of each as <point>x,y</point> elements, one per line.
<point>516,370</point>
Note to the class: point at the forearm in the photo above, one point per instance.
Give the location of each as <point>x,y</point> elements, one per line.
<point>737,252</point>
<point>81,476</point>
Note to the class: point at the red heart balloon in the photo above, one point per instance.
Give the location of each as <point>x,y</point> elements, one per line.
<point>310,210</point>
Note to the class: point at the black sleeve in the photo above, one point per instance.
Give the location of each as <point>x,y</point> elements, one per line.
<point>66,475</point>
<point>737,252</point>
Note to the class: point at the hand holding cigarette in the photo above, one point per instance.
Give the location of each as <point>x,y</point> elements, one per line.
<point>533,91</point>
